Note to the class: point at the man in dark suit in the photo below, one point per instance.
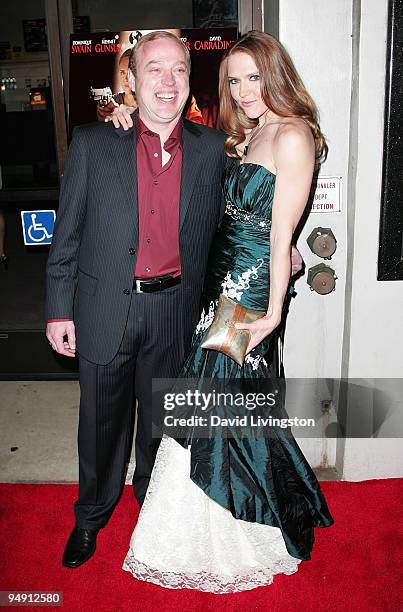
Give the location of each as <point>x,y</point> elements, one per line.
<point>137,214</point>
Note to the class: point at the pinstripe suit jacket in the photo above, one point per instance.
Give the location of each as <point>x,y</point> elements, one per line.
<point>93,253</point>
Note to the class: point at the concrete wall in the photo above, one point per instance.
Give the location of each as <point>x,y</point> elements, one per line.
<point>376,335</point>
<point>339,48</point>
<point>318,40</point>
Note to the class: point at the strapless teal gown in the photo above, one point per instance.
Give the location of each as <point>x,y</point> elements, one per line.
<point>262,480</point>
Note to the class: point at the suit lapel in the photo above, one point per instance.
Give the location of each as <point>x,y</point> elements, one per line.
<point>126,161</point>
<point>191,159</point>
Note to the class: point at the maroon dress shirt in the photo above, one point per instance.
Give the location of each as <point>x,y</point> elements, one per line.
<point>158,202</point>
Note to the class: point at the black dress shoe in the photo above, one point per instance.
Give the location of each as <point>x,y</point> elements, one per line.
<point>80,546</point>
<point>4,261</point>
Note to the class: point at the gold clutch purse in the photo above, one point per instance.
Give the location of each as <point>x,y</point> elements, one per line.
<point>223,336</point>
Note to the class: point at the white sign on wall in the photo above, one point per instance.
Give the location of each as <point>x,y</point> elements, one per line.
<point>326,198</point>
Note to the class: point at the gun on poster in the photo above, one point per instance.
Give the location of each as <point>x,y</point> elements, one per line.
<point>103,95</point>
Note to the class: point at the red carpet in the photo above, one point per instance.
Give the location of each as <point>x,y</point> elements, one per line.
<point>356,564</point>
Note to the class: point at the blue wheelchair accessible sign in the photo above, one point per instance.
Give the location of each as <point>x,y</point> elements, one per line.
<point>37,226</point>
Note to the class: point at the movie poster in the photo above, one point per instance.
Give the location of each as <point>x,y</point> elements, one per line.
<point>99,64</point>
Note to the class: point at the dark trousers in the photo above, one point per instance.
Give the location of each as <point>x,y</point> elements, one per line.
<point>152,347</point>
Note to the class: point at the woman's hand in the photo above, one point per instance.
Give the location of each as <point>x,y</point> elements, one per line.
<point>121,116</point>
<point>260,329</point>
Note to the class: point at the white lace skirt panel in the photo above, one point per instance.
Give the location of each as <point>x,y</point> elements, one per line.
<point>183,539</point>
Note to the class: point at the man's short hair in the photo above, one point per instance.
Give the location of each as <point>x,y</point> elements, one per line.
<point>157,36</point>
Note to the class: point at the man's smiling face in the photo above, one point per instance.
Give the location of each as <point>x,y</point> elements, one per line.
<point>162,81</point>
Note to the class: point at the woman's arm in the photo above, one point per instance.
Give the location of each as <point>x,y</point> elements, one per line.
<point>294,158</point>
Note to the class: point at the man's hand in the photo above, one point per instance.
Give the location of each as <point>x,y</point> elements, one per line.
<point>296,261</point>
<point>121,116</point>
<point>55,332</point>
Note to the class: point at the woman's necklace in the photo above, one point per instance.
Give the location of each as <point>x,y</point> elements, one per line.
<point>256,130</point>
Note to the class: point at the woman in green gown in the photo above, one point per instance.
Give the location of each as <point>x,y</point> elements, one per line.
<point>226,514</point>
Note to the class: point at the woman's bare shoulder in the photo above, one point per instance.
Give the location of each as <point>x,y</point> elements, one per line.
<point>293,130</point>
